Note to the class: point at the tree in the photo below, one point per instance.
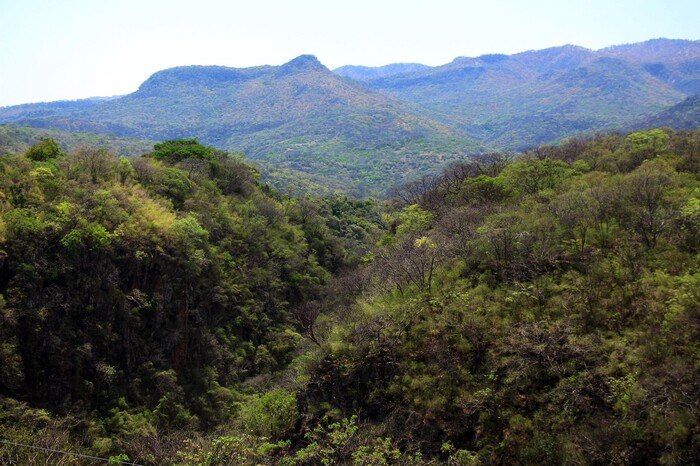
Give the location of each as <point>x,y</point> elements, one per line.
<point>647,189</point>
<point>458,228</point>
<point>94,162</point>
<point>44,150</point>
<point>175,150</point>
<point>306,314</point>
<point>271,415</point>
<point>493,164</point>
<point>641,146</point>
<point>411,260</point>
<point>125,170</point>
<point>413,192</point>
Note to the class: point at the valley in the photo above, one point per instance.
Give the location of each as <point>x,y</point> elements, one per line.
<point>492,261</point>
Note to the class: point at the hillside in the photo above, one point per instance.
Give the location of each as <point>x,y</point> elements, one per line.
<point>521,100</point>
<point>363,129</point>
<point>674,62</point>
<point>298,116</point>
<point>685,115</point>
<point>171,309</point>
<point>366,73</point>
<point>16,139</point>
<point>151,286</point>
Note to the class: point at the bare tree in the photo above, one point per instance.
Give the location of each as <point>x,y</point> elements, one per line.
<point>453,177</point>
<point>410,261</point>
<point>413,192</point>
<point>306,314</point>
<point>458,229</point>
<point>97,163</point>
<point>493,163</point>
<point>197,169</point>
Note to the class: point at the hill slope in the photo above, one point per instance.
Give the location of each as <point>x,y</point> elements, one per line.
<point>17,139</point>
<point>298,115</point>
<point>365,73</point>
<point>170,310</point>
<point>520,100</point>
<point>685,115</point>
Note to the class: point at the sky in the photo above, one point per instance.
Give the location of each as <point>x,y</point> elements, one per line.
<point>71,49</point>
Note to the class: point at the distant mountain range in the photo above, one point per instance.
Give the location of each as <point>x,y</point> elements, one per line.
<point>685,115</point>
<point>368,73</point>
<point>362,129</point>
<point>518,101</point>
<point>297,116</point>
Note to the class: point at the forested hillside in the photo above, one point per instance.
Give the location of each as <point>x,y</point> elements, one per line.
<point>542,96</point>
<point>298,116</point>
<point>362,130</point>
<point>531,309</point>
<point>685,115</point>
<point>17,139</point>
<point>138,295</point>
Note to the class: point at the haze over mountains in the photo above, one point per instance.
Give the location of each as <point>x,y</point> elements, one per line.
<point>541,96</point>
<point>684,115</point>
<point>363,128</point>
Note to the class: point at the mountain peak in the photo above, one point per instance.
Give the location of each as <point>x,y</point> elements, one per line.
<point>304,63</point>
<point>197,75</point>
<point>661,49</point>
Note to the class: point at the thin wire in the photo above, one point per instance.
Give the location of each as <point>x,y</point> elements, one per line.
<point>51,450</point>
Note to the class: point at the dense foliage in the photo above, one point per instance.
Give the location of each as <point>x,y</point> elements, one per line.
<point>538,309</point>
<point>140,294</point>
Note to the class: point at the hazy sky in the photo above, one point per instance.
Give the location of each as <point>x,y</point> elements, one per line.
<point>68,49</point>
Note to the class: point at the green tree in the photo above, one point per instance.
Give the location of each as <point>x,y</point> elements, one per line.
<point>45,149</point>
<point>272,415</point>
<point>176,150</point>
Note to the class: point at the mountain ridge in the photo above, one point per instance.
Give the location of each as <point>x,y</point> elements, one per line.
<point>298,115</point>
<point>539,96</point>
<point>364,73</point>
<point>682,116</point>
<point>394,122</point>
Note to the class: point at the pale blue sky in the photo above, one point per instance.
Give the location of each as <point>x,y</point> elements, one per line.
<point>68,49</point>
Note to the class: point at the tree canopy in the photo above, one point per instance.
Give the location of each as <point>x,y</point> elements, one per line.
<point>531,309</point>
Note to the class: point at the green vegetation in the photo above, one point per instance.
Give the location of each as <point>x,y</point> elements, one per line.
<point>298,117</point>
<point>685,115</point>
<point>142,295</point>
<point>543,96</point>
<point>384,126</point>
<point>538,309</point>
<point>16,139</point>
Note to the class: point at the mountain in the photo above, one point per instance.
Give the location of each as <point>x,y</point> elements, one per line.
<point>520,100</point>
<point>297,116</point>
<point>17,139</point>
<point>656,50</point>
<point>363,129</point>
<point>674,62</point>
<point>171,310</point>
<point>366,73</point>
<point>685,115</point>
